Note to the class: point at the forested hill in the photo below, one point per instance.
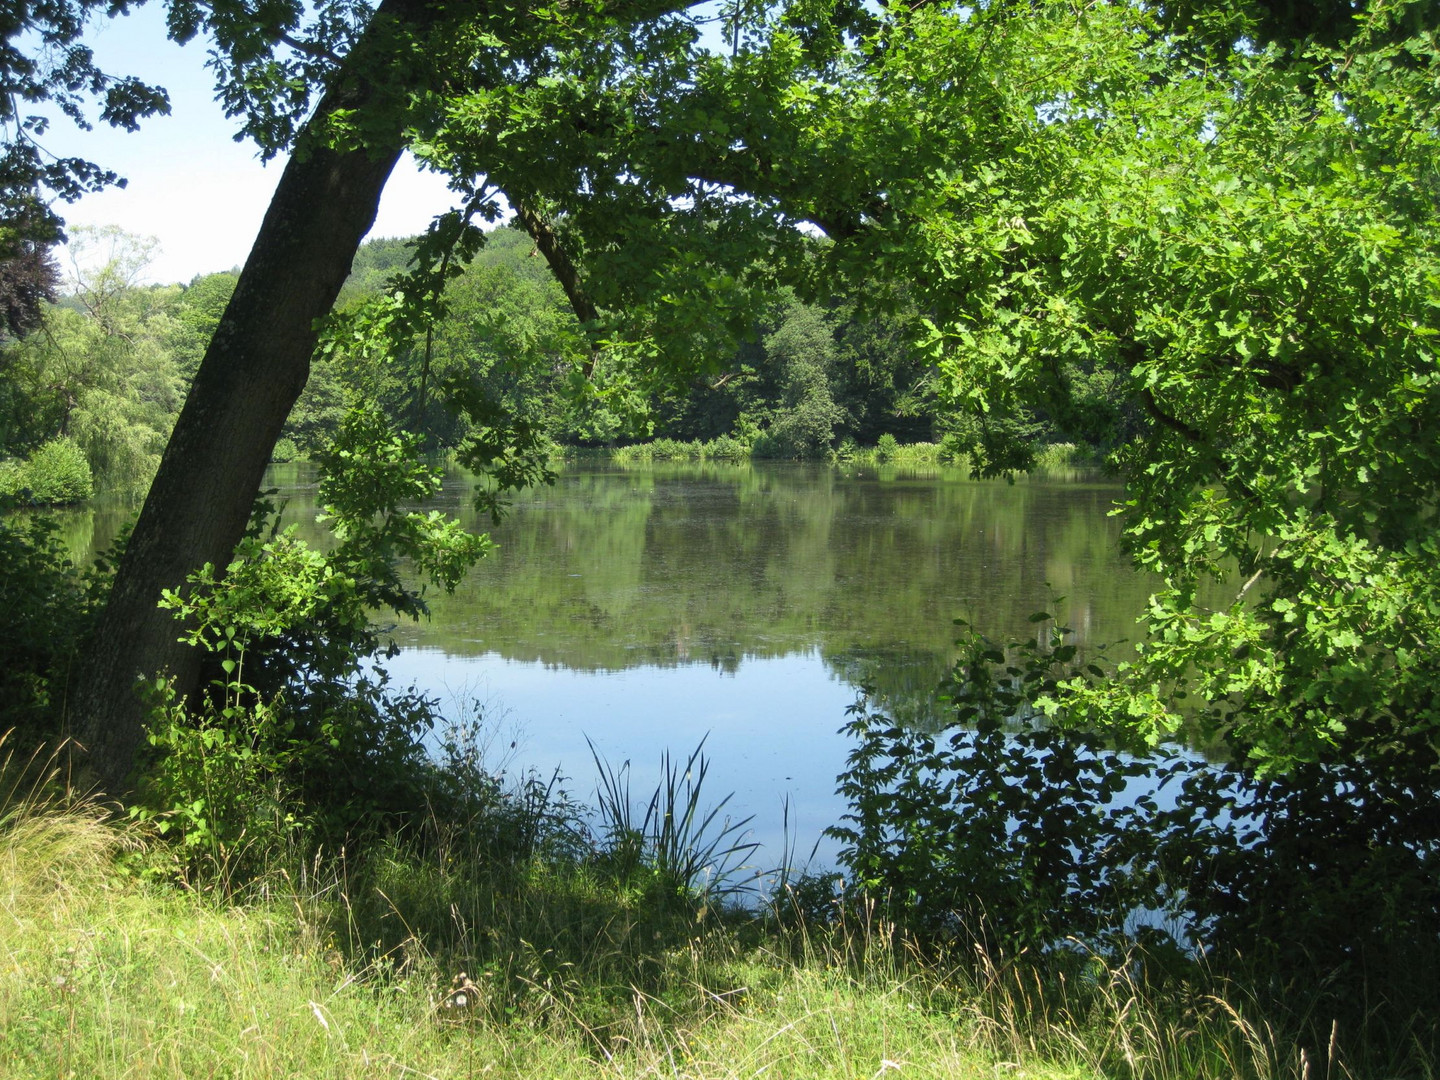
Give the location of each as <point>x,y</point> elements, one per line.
<point>88,398</point>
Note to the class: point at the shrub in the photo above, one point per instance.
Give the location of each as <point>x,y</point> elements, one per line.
<point>886,447</point>
<point>285,450</point>
<point>635,454</point>
<point>1320,887</point>
<point>56,474</point>
<point>222,787</point>
<point>673,450</point>
<point>12,480</point>
<point>721,448</point>
<point>953,450</point>
<point>802,432</point>
<point>726,448</point>
<point>990,832</point>
<point>298,712</point>
<point>45,608</point>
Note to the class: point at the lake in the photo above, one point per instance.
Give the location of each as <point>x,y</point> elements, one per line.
<point>647,609</point>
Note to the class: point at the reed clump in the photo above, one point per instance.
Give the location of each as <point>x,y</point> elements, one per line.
<point>1050,458</point>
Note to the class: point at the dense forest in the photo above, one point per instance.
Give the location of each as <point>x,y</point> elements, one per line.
<point>89,395</point>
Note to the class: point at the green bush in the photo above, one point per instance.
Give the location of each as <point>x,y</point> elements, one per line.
<point>846,452</point>
<point>726,448</point>
<point>1009,831</point>
<point>45,608</point>
<point>285,450</point>
<point>721,448</point>
<point>800,433</point>
<point>222,787</point>
<point>12,479</point>
<point>953,450</point>
<point>886,447</point>
<point>990,833</point>
<point>673,450</point>
<point>300,737</point>
<point>57,474</point>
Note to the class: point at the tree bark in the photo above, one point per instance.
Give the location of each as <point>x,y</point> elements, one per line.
<point>254,369</point>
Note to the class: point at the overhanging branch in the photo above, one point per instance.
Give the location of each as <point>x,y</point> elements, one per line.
<point>548,243</point>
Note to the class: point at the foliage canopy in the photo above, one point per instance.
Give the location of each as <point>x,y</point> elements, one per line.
<point>1243,244</point>
<point>1216,227</point>
<point>1210,224</point>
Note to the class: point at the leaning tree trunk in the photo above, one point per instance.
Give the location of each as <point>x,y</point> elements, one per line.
<point>254,369</point>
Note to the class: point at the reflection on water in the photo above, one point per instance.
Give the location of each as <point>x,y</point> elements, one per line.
<point>714,565</point>
<point>769,727</point>
<point>647,608</point>
<point>86,531</point>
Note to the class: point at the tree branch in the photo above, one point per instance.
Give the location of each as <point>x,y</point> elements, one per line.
<point>547,242</point>
<point>1174,423</point>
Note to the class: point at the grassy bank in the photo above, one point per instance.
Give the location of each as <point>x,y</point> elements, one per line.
<point>1051,456</point>
<point>429,957</point>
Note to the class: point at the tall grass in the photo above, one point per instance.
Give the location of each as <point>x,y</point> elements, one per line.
<point>50,841</point>
<point>1050,458</point>
<point>690,849</point>
<point>1069,458</point>
<point>897,453</point>
<point>435,955</point>
<point>721,448</point>
<point>729,448</point>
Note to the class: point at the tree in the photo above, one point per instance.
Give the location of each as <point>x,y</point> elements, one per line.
<point>803,348</point>
<point>512,334</point>
<point>1065,190</point>
<point>253,370</point>
<point>60,71</point>
<point>28,279</point>
<point>197,313</point>
<point>1208,229</point>
<point>258,359</point>
<point>1244,242</point>
<point>99,372</point>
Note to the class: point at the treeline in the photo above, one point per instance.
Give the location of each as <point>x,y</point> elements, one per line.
<point>89,393</point>
<point>805,379</point>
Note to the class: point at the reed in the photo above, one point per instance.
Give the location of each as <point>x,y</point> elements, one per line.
<point>693,850</point>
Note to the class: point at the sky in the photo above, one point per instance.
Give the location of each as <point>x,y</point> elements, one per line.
<point>199,193</point>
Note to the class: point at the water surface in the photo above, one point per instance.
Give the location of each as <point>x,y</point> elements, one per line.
<point>747,604</point>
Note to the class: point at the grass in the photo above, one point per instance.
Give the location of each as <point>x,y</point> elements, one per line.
<point>692,849</point>
<point>723,448</point>
<point>105,976</point>
<point>429,956</point>
<point>1050,458</point>
<point>728,448</point>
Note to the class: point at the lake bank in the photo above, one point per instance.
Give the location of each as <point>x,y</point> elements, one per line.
<point>647,609</point>
<point>447,969</point>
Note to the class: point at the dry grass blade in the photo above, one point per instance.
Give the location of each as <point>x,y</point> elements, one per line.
<point>49,838</point>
